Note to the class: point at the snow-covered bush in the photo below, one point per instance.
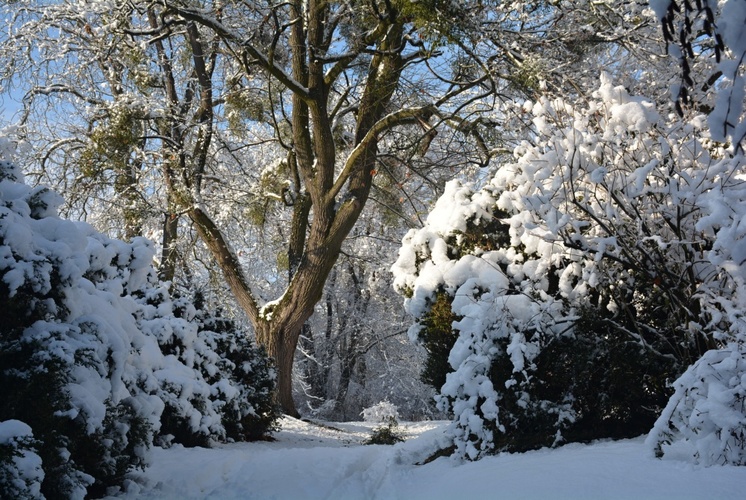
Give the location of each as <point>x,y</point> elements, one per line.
<point>382,412</point>
<point>579,276</point>
<point>231,397</point>
<point>89,365</point>
<point>20,467</point>
<point>705,420</point>
<point>65,346</point>
<point>387,414</point>
<point>706,417</point>
<point>248,408</point>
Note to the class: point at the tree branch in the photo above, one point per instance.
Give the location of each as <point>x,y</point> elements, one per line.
<point>406,115</point>
<point>260,58</point>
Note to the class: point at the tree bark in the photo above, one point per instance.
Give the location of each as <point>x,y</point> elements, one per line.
<point>167,268</point>
<point>281,347</point>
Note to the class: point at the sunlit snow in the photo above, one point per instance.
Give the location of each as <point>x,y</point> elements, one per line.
<point>328,461</point>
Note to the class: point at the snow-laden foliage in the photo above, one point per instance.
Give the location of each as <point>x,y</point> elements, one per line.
<point>20,467</point>
<point>706,417</point>
<point>581,277</point>
<point>96,358</point>
<point>384,411</point>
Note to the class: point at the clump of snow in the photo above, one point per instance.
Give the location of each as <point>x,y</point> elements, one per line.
<point>625,112</point>
<point>8,149</point>
<point>727,120</point>
<point>660,7</point>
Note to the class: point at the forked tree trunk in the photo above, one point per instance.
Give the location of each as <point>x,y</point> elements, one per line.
<point>327,202</point>
<point>277,328</point>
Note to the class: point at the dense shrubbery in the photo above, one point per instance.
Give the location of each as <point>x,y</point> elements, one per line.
<point>583,278</point>
<point>231,397</point>
<point>98,362</point>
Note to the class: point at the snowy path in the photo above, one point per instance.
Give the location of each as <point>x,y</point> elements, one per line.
<point>312,462</point>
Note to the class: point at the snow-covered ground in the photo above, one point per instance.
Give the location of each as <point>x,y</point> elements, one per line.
<point>329,462</point>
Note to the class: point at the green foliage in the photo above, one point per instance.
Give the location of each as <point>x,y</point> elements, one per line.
<point>140,74</point>
<point>387,192</point>
<point>481,236</point>
<point>283,261</point>
<point>242,106</point>
<point>594,384</point>
<point>34,387</point>
<point>34,376</point>
<point>528,76</point>
<point>267,194</point>
<point>110,144</point>
<point>437,337</point>
<point>602,373</point>
<point>109,454</point>
<point>438,20</point>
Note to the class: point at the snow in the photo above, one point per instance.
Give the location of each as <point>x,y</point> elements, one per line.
<point>731,24</point>
<point>313,461</point>
<point>660,7</point>
<point>383,412</point>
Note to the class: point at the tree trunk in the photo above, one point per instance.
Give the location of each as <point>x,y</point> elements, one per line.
<point>328,204</point>
<point>167,269</point>
<point>281,347</point>
<point>278,327</point>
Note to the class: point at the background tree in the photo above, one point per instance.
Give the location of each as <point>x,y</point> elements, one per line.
<point>354,352</point>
